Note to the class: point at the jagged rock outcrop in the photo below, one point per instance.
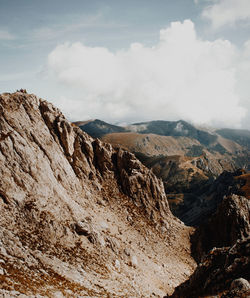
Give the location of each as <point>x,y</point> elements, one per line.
<point>230,223</point>
<point>79,217</point>
<point>221,245</point>
<point>203,202</point>
<point>224,272</point>
<point>106,163</point>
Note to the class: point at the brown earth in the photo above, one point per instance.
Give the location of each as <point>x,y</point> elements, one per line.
<point>150,144</point>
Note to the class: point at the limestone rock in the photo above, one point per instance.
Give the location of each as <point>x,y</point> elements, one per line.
<point>218,272</point>
<point>52,240</point>
<point>230,223</point>
<point>134,261</point>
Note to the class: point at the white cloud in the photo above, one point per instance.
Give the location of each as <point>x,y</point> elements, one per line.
<point>227,12</point>
<point>181,77</point>
<point>5,35</point>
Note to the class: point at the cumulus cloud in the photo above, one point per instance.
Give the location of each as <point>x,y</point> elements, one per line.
<point>227,12</point>
<point>181,77</point>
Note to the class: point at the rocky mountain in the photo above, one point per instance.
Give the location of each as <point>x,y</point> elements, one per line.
<point>224,272</point>
<point>203,202</point>
<point>221,140</point>
<point>221,246</point>
<point>174,128</point>
<point>232,221</point>
<point>186,158</point>
<point>80,218</point>
<point>163,128</point>
<point>240,136</point>
<point>97,128</point>
<point>228,149</point>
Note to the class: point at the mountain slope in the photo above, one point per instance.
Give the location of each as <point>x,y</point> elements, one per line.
<point>78,217</point>
<point>151,144</point>
<point>139,135</point>
<point>221,245</point>
<point>186,167</point>
<point>97,128</point>
<point>240,136</point>
<point>174,128</point>
<point>186,158</point>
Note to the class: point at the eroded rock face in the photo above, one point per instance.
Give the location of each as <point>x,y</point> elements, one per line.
<point>221,245</point>
<point>224,271</point>
<point>230,223</point>
<point>135,180</point>
<point>71,205</point>
<point>197,207</point>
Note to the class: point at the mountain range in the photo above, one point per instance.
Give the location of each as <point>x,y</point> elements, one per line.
<point>81,217</point>
<point>188,159</point>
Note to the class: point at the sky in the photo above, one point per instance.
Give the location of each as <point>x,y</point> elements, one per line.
<point>131,61</point>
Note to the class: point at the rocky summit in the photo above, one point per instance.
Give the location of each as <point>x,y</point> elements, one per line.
<point>83,218</point>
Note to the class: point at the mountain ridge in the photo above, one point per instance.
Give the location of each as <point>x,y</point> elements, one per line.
<point>221,141</point>
<point>79,217</point>
<point>185,158</point>
<point>173,128</point>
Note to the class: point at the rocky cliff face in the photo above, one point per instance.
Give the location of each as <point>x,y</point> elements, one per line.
<point>224,272</point>
<point>221,246</point>
<point>79,217</point>
<point>203,202</point>
<point>230,223</point>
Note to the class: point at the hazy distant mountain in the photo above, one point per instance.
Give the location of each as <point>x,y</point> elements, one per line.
<point>97,128</point>
<point>240,136</point>
<point>175,129</point>
<point>175,138</point>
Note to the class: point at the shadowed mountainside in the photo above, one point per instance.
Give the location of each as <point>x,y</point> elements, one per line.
<point>240,136</point>
<point>97,128</point>
<point>174,128</point>
<point>221,245</point>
